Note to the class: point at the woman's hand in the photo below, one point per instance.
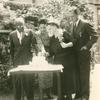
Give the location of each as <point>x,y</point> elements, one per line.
<point>66,45</point>
<point>47,54</point>
<point>84,48</point>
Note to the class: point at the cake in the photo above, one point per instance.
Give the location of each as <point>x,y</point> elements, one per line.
<point>39,61</point>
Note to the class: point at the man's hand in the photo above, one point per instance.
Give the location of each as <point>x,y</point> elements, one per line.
<point>84,48</point>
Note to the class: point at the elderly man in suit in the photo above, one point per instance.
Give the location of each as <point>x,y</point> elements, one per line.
<point>21,42</point>
<point>84,37</point>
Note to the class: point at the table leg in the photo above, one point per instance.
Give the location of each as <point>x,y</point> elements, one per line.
<point>22,91</point>
<point>41,94</point>
<point>59,85</point>
<point>13,82</point>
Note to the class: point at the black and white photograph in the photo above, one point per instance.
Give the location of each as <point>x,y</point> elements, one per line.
<point>49,49</point>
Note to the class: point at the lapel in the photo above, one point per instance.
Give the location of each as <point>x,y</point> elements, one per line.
<point>16,39</point>
<point>25,36</point>
<point>78,30</point>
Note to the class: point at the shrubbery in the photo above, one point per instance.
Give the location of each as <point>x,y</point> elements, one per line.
<point>5,83</point>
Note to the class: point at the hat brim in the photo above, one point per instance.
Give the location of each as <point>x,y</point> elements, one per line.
<point>53,24</point>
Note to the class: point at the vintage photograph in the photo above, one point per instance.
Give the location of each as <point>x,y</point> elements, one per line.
<point>49,49</point>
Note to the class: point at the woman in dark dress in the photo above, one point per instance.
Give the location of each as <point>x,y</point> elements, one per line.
<point>61,49</point>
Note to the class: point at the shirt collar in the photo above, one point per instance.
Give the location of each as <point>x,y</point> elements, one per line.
<point>77,22</point>
<point>18,34</point>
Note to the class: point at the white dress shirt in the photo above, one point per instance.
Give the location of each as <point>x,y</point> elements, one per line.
<point>19,35</point>
<point>77,22</point>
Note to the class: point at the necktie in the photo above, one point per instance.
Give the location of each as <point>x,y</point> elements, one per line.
<point>75,26</point>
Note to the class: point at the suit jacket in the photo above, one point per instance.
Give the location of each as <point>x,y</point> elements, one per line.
<point>22,53</point>
<point>84,35</point>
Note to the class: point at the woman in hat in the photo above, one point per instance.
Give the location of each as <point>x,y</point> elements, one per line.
<point>61,49</point>
<point>45,79</point>
<point>43,38</point>
<point>32,22</point>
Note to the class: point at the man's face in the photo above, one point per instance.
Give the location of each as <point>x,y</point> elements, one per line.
<point>74,17</point>
<point>20,27</point>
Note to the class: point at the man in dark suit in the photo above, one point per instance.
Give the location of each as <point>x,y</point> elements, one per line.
<point>21,42</point>
<point>84,37</point>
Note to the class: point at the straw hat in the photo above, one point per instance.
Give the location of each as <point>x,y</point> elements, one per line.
<point>53,21</point>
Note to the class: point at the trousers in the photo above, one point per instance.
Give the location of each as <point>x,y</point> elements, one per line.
<point>23,83</point>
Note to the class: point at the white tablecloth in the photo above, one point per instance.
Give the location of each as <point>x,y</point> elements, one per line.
<point>30,68</point>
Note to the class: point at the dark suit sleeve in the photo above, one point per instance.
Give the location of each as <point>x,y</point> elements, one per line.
<point>92,33</point>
